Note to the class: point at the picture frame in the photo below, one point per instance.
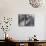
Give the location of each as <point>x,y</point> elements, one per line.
<point>25,20</point>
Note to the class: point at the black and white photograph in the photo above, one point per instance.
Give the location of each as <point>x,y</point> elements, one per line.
<point>25,20</point>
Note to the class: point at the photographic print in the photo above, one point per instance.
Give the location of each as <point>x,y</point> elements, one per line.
<point>25,20</point>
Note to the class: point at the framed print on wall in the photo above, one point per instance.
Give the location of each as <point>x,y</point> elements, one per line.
<point>25,20</point>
